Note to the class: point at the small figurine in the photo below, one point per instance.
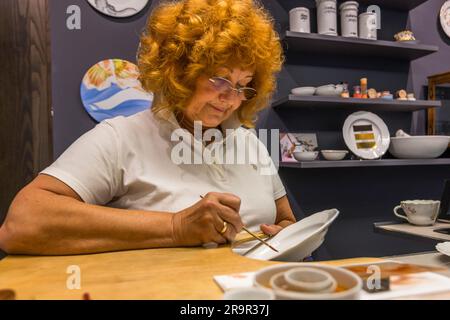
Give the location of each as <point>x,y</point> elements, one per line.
<point>401,95</point>
<point>372,93</point>
<point>405,35</point>
<point>357,92</point>
<point>363,88</point>
<point>345,93</point>
<point>411,97</point>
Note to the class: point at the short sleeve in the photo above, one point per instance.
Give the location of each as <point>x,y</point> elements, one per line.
<point>90,166</point>
<point>278,188</point>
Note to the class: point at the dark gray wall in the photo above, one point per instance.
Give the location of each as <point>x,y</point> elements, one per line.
<point>425,23</point>
<point>363,195</point>
<point>74,52</point>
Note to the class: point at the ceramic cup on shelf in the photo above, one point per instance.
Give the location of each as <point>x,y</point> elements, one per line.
<point>349,19</point>
<point>327,17</point>
<point>299,20</point>
<point>419,212</point>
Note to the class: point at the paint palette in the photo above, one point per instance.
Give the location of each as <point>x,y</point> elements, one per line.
<point>366,135</point>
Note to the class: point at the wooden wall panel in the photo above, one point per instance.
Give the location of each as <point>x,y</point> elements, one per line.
<point>25,95</point>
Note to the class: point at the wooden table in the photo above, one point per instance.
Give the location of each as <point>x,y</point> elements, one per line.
<point>176,273</point>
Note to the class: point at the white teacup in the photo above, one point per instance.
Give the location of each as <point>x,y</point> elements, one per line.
<point>419,212</point>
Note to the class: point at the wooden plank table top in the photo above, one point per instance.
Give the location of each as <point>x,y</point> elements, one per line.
<point>173,273</point>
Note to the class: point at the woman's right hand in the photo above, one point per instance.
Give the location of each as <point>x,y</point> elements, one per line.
<point>203,222</point>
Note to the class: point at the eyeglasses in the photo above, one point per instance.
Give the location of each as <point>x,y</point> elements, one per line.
<point>224,86</point>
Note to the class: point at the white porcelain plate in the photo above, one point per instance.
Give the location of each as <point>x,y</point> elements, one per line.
<point>445,17</point>
<point>366,135</point>
<point>111,88</point>
<point>294,242</point>
<point>119,8</point>
<point>444,248</point>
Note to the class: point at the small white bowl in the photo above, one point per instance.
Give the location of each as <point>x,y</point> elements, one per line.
<point>349,284</point>
<point>303,91</point>
<point>310,280</point>
<point>334,155</point>
<point>251,293</point>
<point>306,155</point>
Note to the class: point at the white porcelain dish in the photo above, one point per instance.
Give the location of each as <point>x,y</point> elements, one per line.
<point>366,135</point>
<point>334,155</point>
<point>295,242</point>
<point>350,283</point>
<point>418,147</point>
<point>330,90</point>
<point>306,155</point>
<point>444,248</point>
<point>444,16</point>
<point>303,91</point>
<point>306,279</point>
<point>119,8</point>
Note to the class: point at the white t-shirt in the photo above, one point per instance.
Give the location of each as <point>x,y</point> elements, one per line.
<point>126,163</point>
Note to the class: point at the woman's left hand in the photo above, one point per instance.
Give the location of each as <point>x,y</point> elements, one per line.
<point>270,229</point>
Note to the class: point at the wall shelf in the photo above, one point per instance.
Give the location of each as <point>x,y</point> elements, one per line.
<point>293,101</point>
<point>365,163</point>
<point>331,45</point>
<point>404,5</point>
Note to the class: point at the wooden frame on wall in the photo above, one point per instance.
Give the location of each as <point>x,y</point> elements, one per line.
<point>433,81</point>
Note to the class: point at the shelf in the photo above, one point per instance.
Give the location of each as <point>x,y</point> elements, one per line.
<point>365,163</point>
<point>293,101</point>
<point>404,5</point>
<point>323,44</point>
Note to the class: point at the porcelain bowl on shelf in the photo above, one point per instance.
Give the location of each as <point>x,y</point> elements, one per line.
<point>306,155</point>
<point>303,91</point>
<point>418,147</point>
<point>330,90</point>
<point>334,155</point>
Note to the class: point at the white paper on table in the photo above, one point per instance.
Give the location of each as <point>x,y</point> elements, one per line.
<point>409,285</point>
<point>236,280</point>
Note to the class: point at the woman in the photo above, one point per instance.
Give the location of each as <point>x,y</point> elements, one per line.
<point>122,185</point>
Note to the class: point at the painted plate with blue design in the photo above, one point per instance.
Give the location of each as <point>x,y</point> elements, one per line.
<point>111,88</point>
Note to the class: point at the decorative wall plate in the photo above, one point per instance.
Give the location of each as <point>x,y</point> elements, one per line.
<point>111,88</point>
<point>366,135</point>
<point>119,8</point>
<point>445,17</point>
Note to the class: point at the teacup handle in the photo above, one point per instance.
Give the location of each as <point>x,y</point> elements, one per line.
<point>398,214</point>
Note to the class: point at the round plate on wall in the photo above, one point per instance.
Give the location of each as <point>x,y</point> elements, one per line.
<point>111,88</point>
<point>119,8</point>
<point>366,135</point>
<point>445,17</point>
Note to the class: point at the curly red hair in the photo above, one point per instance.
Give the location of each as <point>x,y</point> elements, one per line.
<point>187,38</point>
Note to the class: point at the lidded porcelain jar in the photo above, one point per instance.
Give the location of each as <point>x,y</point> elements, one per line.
<point>368,25</point>
<point>299,20</point>
<point>349,19</point>
<point>327,17</point>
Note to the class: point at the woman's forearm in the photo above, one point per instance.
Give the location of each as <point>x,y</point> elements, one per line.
<point>42,222</point>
